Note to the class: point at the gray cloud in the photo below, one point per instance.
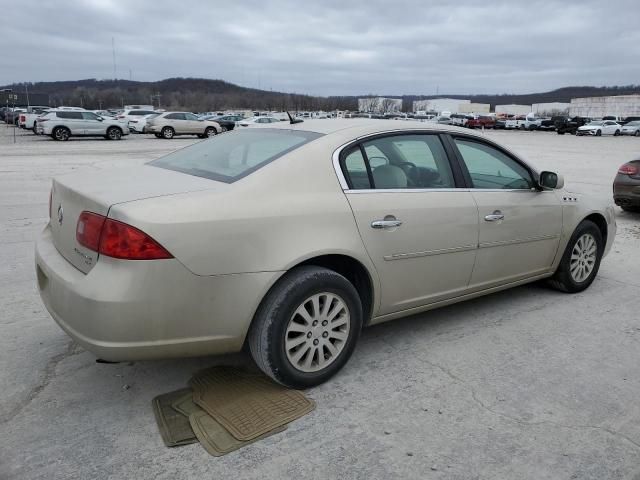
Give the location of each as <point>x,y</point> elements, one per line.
<point>329,47</point>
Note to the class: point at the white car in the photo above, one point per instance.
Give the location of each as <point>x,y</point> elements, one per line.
<point>257,121</point>
<point>139,124</point>
<point>127,115</point>
<point>602,127</point>
<point>62,124</point>
<point>631,128</point>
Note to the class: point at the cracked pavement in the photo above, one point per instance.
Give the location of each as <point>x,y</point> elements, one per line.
<point>528,383</point>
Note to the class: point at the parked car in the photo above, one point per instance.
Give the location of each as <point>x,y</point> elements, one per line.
<point>169,124</point>
<point>13,115</point>
<point>531,123</point>
<point>63,124</point>
<point>28,119</point>
<point>570,125</point>
<point>460,119</point>
<point>630,119</point>
<point>257,121</point>
<point>227,122</point>
<point>603,127</point>
<point>550,123</point>
<point>481,121</point>
<point>290,239</point>
<point>135,114</point>
<point>139,125</point>
<point>626,186</point>
<point>514,122</point>
<point>631,128</point>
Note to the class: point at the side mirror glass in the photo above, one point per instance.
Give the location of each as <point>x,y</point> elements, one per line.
<point>550,180</point>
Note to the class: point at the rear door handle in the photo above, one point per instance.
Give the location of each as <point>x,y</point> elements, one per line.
<point>386,223</point>
<point>494,217</point>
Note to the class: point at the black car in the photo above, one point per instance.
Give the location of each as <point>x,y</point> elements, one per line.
<point>626,186</point>
<point>227,122</point>
<point>550,123</point>
<point>630,119</point>
<point>570,125</point>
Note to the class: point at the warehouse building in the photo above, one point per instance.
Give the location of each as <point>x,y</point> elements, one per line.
<point>618,105</point>
<point>379,105</point>
<point>474,108</point>
<point>550,109</point>
<point>439,105</point>
<point>513,109</point>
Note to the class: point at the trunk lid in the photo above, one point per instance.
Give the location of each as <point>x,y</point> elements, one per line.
<point>97,191</point>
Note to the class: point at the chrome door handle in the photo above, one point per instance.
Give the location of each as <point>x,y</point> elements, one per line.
<point>495,216</point>
<point>386,223</point>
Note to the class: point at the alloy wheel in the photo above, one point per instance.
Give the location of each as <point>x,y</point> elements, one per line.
<point>583,258</point>
<point>317,332</point>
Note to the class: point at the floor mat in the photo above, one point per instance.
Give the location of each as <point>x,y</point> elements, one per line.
<point>247,405</point>
<point>173,425</point>
<point>215,438</point>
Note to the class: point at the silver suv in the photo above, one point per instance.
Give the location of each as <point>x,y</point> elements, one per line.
<point>169,124</point>
<point>62,124</point>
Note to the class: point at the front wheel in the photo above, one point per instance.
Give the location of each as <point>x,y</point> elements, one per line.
<point>617,133</point>
<point>210,132</point>
<point>637,133</point>
<point>599,133</point>
<point>307,327</point>
<point>581,259</point>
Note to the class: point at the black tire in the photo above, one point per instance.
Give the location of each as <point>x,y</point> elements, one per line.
<point>637,133</point>
<point>114,133</point>
<point>223,128</point>
<point>158,135</point>
<point>616,133</point>
<point>563,280</point>
<point>168,133</point>
<point>598,133</point>
<point>61,134</point>
<point>35,129</point>
<point>267,334</point>
<point>560,133</point>
<point>210,132</point>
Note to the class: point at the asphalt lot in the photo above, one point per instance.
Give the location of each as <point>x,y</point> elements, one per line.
<point>524,384</point>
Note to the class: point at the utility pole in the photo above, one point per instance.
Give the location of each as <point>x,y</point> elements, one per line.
<point>26,90</point>
<point>113,50</point>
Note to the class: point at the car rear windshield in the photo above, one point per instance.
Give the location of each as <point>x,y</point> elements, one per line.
<point>234,155</point>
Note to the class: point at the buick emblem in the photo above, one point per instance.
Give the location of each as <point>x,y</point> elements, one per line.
<point>60,214</point>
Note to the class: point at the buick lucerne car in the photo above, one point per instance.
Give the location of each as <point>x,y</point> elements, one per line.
<point>289,240</point>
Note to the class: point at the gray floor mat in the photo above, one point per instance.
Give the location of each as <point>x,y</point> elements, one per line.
<point>247,405</point>
<point>174,427</point>
<point>215,439</point>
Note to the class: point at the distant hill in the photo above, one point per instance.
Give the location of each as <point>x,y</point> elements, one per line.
<point>201,94</point>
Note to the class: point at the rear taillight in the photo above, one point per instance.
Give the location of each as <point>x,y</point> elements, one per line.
<point>117,239</point>
<point>629,169</point>
<point>22,118</point>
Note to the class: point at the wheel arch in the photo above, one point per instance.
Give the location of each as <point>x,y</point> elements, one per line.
<point>601,223</point>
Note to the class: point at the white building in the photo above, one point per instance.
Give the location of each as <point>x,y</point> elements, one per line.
<point>439,105</point>
<point>551,108</point>
<point>474,108</point>
<point>379,105</point>
<point>618,105</point>
<point>513,109</point>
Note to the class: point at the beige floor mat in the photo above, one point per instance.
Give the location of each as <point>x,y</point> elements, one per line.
<point>174,427</point>
<point>216,439</point>
<point>247,405</point>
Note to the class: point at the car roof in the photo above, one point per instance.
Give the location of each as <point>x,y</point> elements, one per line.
<point>358,127</point>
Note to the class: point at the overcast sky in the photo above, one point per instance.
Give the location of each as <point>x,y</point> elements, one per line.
<point>328,47</point>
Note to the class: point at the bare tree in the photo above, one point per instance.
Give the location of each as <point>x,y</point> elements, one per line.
<point>388,105</point>
<point>369,104</point>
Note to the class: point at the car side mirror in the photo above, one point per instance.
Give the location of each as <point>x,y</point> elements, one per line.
<point>100,119</point>
<point>551,180</point>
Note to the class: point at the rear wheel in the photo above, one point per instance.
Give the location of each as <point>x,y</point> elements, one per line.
<point>114,133</point>
<point>637,133</point>
<point>581,259</point>
<point>168,133</point>
<point>617,133</point>
<point>210,132</point>
<point>223,128</point>
<point>61,134</point>
<point>306,327</point>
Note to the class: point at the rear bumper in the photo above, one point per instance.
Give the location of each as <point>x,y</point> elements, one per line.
<point>626,192</point>
<point>135,310</point>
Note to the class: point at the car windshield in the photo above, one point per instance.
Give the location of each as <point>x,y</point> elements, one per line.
<point>234,155</point>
